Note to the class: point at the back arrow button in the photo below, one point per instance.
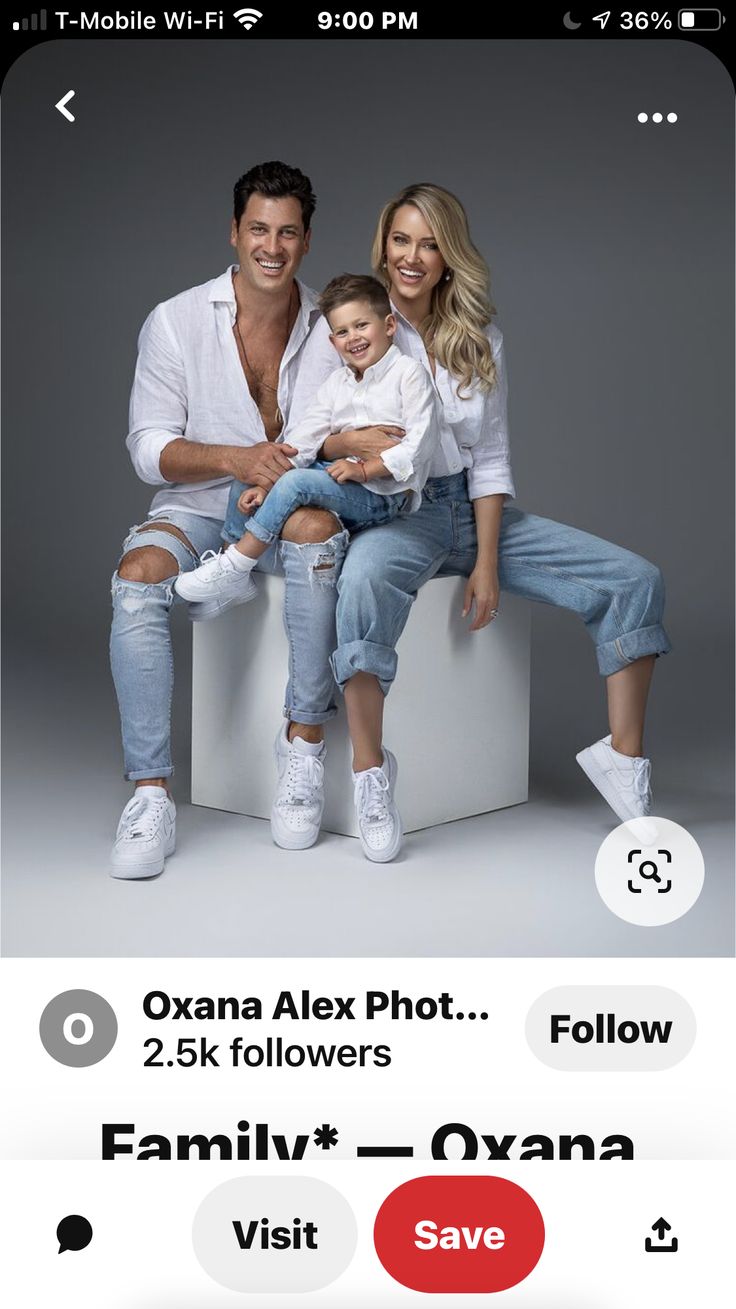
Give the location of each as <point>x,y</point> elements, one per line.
<point>61,105</point>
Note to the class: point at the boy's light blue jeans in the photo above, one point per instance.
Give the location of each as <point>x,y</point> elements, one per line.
<point>141,653</point>
<point>618,595</point>
<point>350,502</point>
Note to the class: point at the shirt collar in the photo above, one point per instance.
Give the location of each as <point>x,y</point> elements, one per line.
<point>379,370</point>
<point>223,291</point>
<point>404,321</point>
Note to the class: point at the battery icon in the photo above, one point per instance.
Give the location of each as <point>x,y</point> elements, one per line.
<point>699,20</point>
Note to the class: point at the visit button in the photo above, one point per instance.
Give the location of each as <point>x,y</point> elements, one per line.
<point>463,1234</point>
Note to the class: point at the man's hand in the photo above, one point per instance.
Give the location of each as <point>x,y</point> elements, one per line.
<point>482,591</point>
<point>260,465</point>
<point>251,499</point>
<point>345,470</point>
<point>198,461</point>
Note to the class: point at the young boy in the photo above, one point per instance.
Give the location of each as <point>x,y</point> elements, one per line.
<point>378,385</point>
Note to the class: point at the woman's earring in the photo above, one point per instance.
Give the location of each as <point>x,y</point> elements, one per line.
<point>448,275</point>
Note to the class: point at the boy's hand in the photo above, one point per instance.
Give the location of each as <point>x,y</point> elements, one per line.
<point>251,499</point>
<point>345,470</point>
<point>482,590</point>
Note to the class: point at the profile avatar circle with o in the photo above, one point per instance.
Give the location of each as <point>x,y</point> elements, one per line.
<point>78,1028</point>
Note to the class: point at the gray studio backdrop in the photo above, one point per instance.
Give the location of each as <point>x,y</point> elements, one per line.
<point>610,246</point>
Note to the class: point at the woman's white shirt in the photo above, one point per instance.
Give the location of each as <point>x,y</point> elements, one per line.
<point>474,433</point>
<point>473,426</point>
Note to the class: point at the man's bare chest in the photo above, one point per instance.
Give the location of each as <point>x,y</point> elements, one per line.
<point>260,358</point>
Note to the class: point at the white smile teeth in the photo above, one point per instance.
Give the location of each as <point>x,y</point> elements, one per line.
<point>273,267</point>
<point>405,272</point>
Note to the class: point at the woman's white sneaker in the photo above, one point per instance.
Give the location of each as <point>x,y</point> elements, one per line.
<point>217,585</point>
<point>623,781</point>
<point>296,815</point>
<point>379,821</point>
<point>146,834</point>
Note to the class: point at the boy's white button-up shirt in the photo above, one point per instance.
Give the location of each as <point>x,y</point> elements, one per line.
<point>396,390</point>
<point>473,433</point>
<point>189,382</point>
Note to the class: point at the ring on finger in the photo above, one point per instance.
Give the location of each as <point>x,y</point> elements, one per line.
<point>494,613</point>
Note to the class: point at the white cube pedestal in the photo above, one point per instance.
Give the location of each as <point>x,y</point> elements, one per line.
<point>457,718</point>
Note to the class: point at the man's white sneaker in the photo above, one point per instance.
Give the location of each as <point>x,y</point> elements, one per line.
<point>297,809</point>
<point>146,834</point>
<point>379,821</point>
<point>215,586</point>
<point>622,781</point>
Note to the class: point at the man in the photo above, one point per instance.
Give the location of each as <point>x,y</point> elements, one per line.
<point>213,387</point>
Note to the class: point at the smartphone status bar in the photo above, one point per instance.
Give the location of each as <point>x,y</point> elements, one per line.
<point>314,21</point>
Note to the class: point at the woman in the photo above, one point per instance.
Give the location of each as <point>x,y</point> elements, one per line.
<point>439,287</point>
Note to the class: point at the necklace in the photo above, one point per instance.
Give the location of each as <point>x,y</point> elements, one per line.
<point>290,320</point>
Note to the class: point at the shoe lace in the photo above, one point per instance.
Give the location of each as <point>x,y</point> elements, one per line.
<point>141,818</point>
<point>371,789</point>
<point>304,774</point>
<point>641,780</point>
<point>213,560</point>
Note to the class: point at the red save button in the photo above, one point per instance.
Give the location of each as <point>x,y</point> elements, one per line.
<point>459,1234</point>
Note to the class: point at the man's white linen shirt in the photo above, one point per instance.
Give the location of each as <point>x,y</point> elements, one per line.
<point>395,390</point>
<point>189,382</point>
<point>473,426</point>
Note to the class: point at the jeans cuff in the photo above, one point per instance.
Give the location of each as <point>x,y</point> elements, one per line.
<point>364,657</point>
<point>309,719</point>
<point>615,655</point>
<point>140,774</point>
<point>260,533</point>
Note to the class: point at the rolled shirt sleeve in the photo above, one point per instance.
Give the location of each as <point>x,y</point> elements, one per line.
<point>490,471</point>
<point>411,457</point>
<point>158,404</point>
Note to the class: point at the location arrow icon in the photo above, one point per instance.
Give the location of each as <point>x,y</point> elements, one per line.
<point>61,105</point>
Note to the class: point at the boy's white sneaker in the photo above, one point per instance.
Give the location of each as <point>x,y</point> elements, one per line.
<point>379,821</point>
<point>623,781</point>
<point>296,815</point>
<point>215,586</point>
<point>146,834</point>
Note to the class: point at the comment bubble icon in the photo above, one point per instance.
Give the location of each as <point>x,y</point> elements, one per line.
<point>73,1233</point>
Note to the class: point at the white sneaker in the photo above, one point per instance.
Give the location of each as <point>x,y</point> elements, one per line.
<point>297,809</point>
<point>621,780</point>
<point>379,821</point>
<point>146,834</point>
<point>215,586</point>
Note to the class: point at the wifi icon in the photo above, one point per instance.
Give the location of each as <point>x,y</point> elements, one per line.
<point>248,17</point>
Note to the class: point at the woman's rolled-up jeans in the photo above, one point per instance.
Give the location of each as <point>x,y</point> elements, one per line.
<point>352,504</point>
<point>618,595</point>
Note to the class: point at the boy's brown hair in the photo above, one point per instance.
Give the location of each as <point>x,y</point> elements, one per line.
<point>354,286</point>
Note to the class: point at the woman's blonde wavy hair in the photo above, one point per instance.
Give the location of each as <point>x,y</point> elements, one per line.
<point>461,308</point>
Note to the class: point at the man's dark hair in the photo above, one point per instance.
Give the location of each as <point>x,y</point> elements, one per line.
<point>354,286</point>
<point>275,180</point>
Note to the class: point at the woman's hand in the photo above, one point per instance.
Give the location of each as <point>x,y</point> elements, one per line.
<point>251,499</point>
<point>482,591</point>
<point>364,442</point>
